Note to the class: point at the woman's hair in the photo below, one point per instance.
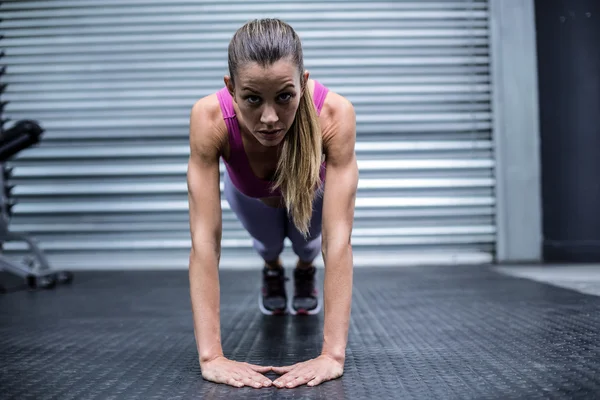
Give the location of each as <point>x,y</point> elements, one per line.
<point>266,41</point>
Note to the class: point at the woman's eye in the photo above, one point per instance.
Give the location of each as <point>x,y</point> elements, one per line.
<point>285,97</point>
<point>253,99</point>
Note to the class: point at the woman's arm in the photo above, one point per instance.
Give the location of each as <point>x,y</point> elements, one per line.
<point>205,229</point>
<point>204,195</point>
<point>338,217</point>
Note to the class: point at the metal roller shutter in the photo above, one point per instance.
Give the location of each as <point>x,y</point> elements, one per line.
<point>113,82</point>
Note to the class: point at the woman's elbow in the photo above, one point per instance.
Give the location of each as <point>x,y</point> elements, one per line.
<point>336,250</point>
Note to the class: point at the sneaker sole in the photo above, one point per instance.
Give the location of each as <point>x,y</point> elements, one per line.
<point>265,311</point>
<point>292,311</point>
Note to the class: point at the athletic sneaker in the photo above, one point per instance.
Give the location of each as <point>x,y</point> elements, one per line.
<point>273,298</point>
<point>306,296</point>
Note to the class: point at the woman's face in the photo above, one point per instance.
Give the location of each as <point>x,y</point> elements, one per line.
<point>267,99</point>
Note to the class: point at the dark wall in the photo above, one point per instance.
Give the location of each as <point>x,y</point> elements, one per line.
<point>568,46</point>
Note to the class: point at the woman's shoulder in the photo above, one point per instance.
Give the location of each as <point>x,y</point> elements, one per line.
<point>208,109</point>
<point>206,122</point>
<point>338,117</point>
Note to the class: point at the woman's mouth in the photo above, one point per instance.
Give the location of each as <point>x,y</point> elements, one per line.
<point>270,135</point>
<point>272,132</point>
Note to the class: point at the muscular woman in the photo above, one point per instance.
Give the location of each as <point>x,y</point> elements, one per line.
<point>288,145</point>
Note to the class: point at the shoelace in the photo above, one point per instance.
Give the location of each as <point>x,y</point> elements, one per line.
<point>304,283</point>
<point>275,284</point>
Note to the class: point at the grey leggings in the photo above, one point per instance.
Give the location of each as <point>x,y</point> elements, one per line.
<point>269,226</point>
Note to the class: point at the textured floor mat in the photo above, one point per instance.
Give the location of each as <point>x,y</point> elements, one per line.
<point>436,333</point>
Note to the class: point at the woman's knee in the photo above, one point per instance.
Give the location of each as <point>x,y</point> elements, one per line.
<point>307,250</point>
<point>269,251</point>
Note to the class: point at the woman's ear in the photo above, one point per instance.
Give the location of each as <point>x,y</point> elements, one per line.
<point>304,83</point>
<point>229,84</point>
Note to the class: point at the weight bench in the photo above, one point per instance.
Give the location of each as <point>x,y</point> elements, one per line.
<point>34,269</point>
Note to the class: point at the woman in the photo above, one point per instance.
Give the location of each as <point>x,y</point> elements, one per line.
<point>277,143</point>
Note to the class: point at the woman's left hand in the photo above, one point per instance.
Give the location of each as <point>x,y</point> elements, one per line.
<point>311,372</point>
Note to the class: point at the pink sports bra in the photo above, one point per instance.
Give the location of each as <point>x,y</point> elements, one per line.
<point>238,166</point>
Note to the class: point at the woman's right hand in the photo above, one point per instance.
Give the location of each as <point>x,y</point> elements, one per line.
<point>234,373</point>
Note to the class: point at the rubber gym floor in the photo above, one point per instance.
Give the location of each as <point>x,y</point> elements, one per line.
<point>464,332</point>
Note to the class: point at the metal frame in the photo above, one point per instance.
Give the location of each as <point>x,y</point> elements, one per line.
<point>35,268</point>
<point>516,130</point>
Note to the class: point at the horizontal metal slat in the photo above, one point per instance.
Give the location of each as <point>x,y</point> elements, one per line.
<point>430,117</point>
<point>139,169</point>
<point>81,130</point>
<point>422,127</point>
<point>439,182</point>
<point>121,149</point>
<point>397,165</point>
<point>99,35</point>
<point>182,205</point>
<point>472,119</point>
<point>26,110</point>
<point>246,258</point>
<point>420,146</point>
<point>223,36</point>
<point>410,10</point>
<point>358,83</point>
<point>131,245</point>
<point>366,132</point>
<point>330,51</point>
<point>121,238</point>
<point>92,4</point>
<point>104,221</point>
<point>183,100</point>
<point>175,45</point>
<point>361,119</point>
<point>178,221</point>
<point>156,93</point>
<point>182,107</point>
<point>168,198</point>
<point>200,76</point>
<point>240,15</point>
<point>175,65</point>
<point>130,188</point>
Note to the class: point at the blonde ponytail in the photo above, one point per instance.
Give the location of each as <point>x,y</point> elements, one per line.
<point>298,169</point>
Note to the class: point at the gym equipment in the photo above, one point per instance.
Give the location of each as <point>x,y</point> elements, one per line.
<point>35,269</point>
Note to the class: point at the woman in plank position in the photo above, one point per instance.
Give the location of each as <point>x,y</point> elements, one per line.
<point>279,134</point>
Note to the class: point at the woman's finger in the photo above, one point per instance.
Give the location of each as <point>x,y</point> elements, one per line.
<point>317,380</point>
<point>296,377</point>
<point>255,376</point>
<point>233,382</point>
<point>284,370</point>
<point>249,381</point>
<point>301,379</point>
<point>260,368</point>
<point>283,380</point>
